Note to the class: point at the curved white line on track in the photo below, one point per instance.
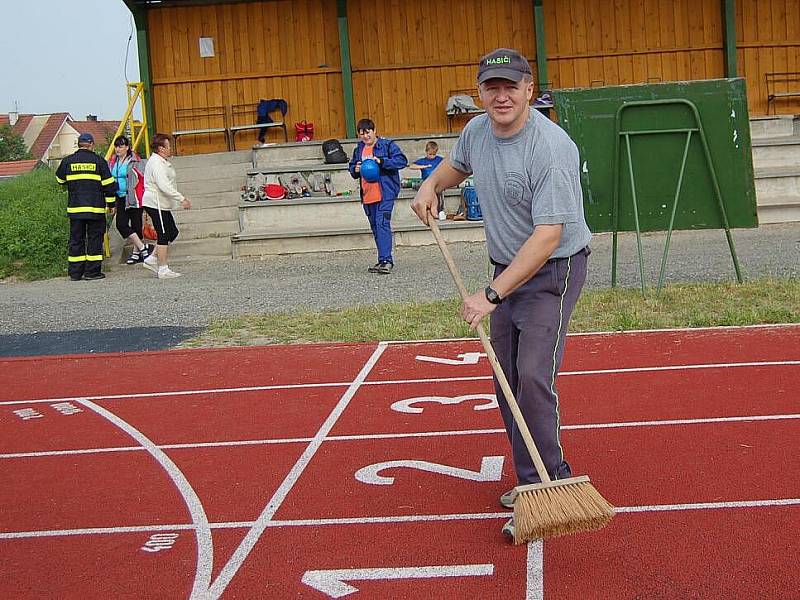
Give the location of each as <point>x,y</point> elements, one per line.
<point>205,545</point>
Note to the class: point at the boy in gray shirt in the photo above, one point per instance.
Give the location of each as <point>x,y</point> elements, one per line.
<point>527,176</point>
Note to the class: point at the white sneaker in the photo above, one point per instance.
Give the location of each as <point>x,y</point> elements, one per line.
<point>151,262</point>
<point>167,274</point>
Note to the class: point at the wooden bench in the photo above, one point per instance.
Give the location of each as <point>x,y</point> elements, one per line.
<point>781,85</point>
<point>468,113</point>
<point>245,116</point>
<point>200,121</point>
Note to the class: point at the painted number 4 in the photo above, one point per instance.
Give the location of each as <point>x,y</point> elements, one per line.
<point>491,470</point>
<point>159,542</point>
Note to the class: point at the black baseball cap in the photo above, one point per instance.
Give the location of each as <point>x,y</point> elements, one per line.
<point>503,63</point>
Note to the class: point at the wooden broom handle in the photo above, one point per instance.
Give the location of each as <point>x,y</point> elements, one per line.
<point>498,370</point>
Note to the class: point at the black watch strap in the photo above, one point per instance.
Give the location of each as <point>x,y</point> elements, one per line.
<point>492,296</point>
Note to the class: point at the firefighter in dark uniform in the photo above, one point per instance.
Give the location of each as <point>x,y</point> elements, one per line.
<point>91,192</point>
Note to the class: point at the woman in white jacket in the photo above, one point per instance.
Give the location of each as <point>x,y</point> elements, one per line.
<point>161,197</point>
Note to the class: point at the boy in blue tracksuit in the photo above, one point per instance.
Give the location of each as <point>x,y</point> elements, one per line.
<point>378,197</point>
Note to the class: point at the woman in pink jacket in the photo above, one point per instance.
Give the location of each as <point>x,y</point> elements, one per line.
<point>128,171</point>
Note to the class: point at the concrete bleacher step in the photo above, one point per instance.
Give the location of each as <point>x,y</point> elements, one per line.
<point>776,151</point>
<point>211,172</point>
<point>298,239</point>
<point>207,215</point>
<point>777,181</point>
<point>215,200</point>
<point>211,229</point>
<point>214,158</point>
<point>208,187</point>
<point>190,249</point>
<point>327,212</point>
<point>779,210</point>
<point>772,126</point>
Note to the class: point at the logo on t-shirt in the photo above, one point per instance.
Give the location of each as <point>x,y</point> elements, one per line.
<point>514,189</point>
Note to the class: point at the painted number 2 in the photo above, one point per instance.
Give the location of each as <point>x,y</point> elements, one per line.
<point>491,470</point>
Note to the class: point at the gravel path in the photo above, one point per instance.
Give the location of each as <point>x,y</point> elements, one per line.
<point>132,297</point>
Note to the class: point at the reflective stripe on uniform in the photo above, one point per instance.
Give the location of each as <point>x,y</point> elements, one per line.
<point>59,180</point>
<point>86,209</point>
<point>108,181</point>
<point>77,258</point>
<point>110,199</point>
<point>94,257</point>
<point>83,176</point>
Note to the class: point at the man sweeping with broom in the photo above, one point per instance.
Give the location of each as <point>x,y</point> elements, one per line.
<point>526,172</point>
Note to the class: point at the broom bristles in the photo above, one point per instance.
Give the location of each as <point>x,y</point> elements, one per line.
<point>559,508</point>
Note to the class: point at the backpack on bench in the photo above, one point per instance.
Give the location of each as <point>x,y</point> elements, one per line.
<point>333,152</point>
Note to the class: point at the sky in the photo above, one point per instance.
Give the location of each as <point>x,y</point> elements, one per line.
<point>66,56</point>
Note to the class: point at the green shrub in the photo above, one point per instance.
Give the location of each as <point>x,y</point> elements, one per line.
<point>34,228</point>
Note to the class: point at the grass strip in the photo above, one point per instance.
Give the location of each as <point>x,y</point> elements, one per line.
<point>34,228</point>
<point>761,301</point>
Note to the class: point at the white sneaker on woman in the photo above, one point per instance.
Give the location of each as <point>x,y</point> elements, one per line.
<point>167,273</point>
<point>151,262</point>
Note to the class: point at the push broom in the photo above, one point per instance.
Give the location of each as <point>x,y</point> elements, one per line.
<point>553,507</point>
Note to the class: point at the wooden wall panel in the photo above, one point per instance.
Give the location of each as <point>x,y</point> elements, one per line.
<point>271,49</point>
<point>768,41</point>
<point>409,55</point>
<point>605,42</point>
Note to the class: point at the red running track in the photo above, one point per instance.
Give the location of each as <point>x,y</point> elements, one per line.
<point>373,471</point>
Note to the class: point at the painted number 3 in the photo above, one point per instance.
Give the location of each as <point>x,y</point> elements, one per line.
<point>159,542</point>
<point>406,406</point>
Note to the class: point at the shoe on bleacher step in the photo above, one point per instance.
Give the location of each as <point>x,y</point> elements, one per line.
<point>507,499</point>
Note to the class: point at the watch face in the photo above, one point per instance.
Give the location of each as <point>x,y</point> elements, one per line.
<point>492,296</point>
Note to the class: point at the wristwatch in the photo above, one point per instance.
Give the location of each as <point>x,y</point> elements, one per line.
<point>492,296</point>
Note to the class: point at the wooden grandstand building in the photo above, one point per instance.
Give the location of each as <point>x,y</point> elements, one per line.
<point>334,61</point>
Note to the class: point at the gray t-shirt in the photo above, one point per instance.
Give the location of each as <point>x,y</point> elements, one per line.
<point>528,179</point>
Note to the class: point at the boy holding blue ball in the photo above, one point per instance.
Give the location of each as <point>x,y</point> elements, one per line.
<point>379,187</point>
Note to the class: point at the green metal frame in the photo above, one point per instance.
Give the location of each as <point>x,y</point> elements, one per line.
<point>140,19</point>
<point>347,68</point>
<point>541,46</point>
<point>729,36</point>
<point>698,128</point>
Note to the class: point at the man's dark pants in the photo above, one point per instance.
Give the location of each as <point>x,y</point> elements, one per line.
<point>528,332</point>
<point>85,246</point>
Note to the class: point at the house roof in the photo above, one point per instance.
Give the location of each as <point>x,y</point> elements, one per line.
<point>20,126</point>
<point>17,167</point>
<point>48,134</point>
<point>100,130</point>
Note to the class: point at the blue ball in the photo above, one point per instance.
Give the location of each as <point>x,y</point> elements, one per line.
<point>370,170</point>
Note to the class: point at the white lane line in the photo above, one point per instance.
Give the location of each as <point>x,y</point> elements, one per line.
<point>205,546</point>
<point>774,363</point>
<point>391,436</point>
<point>535,570</point>
<point>620,333</point>
<point>654,508</point>
<point>709,505</point>
<point>743,419</point>
<point>258,388</point>
<point>246,545</point>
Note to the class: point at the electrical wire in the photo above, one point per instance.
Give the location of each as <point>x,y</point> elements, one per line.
<point>127,51</point>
